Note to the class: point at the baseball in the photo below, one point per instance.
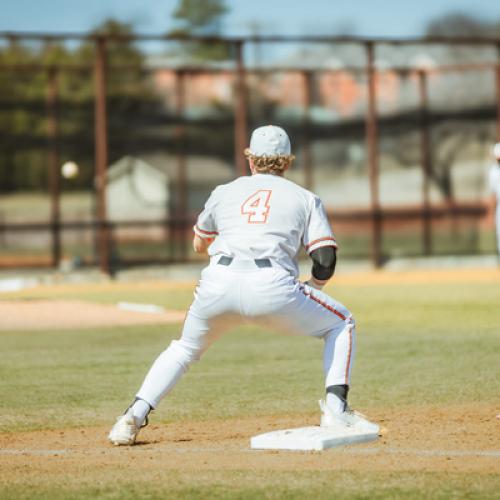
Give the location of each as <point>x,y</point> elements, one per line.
<point>69,170</point>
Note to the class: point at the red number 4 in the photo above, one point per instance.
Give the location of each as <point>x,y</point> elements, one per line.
<point>257,207</point>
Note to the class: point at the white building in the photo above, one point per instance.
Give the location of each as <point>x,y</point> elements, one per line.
<point>136,191</point>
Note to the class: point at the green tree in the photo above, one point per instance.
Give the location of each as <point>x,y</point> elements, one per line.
<point>203,18</point>
<point>23,107</point>
<point>460,24</point>
<point>452,138</point>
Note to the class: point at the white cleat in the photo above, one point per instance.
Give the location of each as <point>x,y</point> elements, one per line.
<point>349,418</point>
<point>125,430</point>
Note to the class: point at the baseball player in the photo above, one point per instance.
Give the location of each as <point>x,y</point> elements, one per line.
<point>494,187</point>
<point>253,229</point>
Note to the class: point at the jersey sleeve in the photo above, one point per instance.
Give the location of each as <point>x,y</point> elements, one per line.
<point>318,232</point>
<point>206,225</point>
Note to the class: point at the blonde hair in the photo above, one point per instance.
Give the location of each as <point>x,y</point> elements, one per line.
<point>272,164</point>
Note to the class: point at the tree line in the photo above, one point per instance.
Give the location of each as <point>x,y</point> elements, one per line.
<point>132,104</point>
<point>138,121</point>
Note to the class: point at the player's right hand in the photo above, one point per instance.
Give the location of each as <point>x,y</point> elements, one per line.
<point>314,283</point>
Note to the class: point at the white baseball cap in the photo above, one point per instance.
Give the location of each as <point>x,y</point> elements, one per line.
<point>496,150</point>
<point>269,140</point>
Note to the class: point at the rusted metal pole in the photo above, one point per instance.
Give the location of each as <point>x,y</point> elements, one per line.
<point>101,155</point>
<point>240,112</point>
<point>181,206</point>
<point>497,89</point>
<point>373,164</point>
<point>307,77</point>
<point>425,149</point>
<point>53,157</point>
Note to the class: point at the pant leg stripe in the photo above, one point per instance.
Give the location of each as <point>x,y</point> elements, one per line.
<point>324,304</point>
<point>348,365</point>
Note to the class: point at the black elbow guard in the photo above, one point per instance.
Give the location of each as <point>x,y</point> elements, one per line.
<point>324,261</point>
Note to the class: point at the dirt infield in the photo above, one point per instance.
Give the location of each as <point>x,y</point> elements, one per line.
<point>449,439</point>
<point>67,314</point>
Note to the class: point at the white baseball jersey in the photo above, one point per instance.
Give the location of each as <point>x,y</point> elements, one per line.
<point>258,217</point>
<point>494,180</point>
<point>264,216</point>
<point>494,186</point>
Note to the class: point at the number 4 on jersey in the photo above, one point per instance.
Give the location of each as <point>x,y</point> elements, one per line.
<point>257,207</point>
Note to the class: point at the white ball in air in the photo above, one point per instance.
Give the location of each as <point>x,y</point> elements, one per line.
<point>69,170</point>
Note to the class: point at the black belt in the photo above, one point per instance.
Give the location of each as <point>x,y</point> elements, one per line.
<point>226,261</point>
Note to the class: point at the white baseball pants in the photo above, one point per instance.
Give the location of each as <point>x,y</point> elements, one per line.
<point>243,292</point>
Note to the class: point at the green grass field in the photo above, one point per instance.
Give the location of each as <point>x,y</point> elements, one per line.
<point>419,346</point>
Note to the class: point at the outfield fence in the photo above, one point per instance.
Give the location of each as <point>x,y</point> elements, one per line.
<point>371,230</point>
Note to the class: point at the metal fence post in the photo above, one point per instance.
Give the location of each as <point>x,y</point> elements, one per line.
<point>53,157</point>
<point>425,149</point>
<point>182,205</point>
<point>497,92</point>
<point>373,165</point>
<point>101,154</point>
<point>307,78</point>
<point>240,111</point>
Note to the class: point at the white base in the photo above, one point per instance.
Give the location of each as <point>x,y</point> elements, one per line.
<point>310,438</point>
